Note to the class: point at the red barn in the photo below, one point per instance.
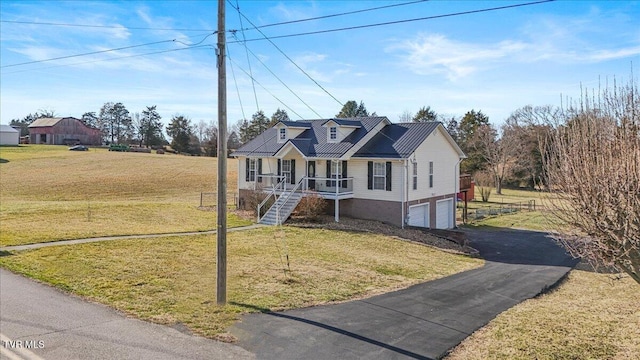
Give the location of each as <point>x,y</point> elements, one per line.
<point>63,131</point>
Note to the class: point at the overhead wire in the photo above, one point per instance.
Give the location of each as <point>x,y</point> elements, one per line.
<point>401,21</point>
<point>288,58</point>
<point>282,82</point>
<point>235,81</point>
<point>255,95</point>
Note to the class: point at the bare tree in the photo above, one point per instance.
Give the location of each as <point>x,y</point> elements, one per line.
<point>497,153</point>
<point>405,117</point>
<point>593,164</point>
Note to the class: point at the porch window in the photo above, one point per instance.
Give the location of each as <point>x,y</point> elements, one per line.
<point>286,170</point>
<point>379,175</point>
<point>415,176</point>
<point>430,174</point>
<point>283,134</point>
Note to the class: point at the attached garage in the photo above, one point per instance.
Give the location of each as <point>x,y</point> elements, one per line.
<point>419,215</point>
<point>444,214</point>
<point>9,135</point>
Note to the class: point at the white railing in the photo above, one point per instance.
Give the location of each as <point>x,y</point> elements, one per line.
<point>279,186</point>
<point>297,188</point>
<point>268,180</point>
<point>328,185</point>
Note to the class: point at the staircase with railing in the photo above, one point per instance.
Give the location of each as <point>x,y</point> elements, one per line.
<point>283,205</point>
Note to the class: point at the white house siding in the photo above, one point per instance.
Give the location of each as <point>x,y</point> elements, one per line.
<point>358,169</point>
<point>437,149</point>
<point>9,135</point>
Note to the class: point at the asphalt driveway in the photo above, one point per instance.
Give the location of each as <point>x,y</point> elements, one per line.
<point>421,322</point>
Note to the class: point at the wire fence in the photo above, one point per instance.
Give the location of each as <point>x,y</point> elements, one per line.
<point>507,208</point>
<point>209,200</point>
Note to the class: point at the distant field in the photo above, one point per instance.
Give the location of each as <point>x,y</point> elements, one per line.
<point>49,193</point>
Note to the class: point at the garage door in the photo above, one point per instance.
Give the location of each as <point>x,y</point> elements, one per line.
<point>444,214</point>
<point>419,215</point>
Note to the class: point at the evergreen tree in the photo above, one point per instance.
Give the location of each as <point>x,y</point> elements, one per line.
<point>90,119</point>
<point>467,129</point>
<point>425,114</point>
<point>234,141</point>
<point>279,115</point>
<point>150,127</point>
<point>179,129</point>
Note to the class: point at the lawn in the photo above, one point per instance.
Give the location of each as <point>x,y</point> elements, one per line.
<point>590,316</point>
<point>173,280</point>
<point>532,214</point>
<point>48,193</point>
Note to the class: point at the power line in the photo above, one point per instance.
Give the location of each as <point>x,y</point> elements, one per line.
<point>109,59</point>
<point>282,82</point>
<point>255,95</point>
<point>90,53</point>
<point>288,58</point>
<point>336,15</point>
<point>399,21</point>
<point>99,26</point>
<point>207,30</point>
<point>265,89</point>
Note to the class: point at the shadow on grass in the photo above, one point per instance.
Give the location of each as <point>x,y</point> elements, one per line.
<point>3,161</point>
<point>4,253</point>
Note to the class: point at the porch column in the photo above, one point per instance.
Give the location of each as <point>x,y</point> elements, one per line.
<point>337,202</point>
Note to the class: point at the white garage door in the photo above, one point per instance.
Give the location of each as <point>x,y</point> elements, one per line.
<point>444,214</point>
<point>419,215</point>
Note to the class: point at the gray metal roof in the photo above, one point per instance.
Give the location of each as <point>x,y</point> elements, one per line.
<point>344,121</point>
<point>298,124</point>
<point>397,140</point>
<point>311,142</point>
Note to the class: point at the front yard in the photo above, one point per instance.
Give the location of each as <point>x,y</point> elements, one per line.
<point>173,280</point>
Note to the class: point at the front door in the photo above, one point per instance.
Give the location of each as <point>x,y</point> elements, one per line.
<point>311,172</point>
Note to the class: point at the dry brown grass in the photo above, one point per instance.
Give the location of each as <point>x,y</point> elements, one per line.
<point>590,316</point>
<point>48,193</point>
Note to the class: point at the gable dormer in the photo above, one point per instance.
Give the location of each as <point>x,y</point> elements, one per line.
<point>286,130</point>
<point>338,129</point>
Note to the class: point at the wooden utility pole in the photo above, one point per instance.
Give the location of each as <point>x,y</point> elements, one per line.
<point>221,290</point>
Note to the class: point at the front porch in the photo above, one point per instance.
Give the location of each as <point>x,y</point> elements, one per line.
<point>327,188</point>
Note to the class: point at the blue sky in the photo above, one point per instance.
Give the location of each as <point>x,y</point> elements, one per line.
<point>495,61</point>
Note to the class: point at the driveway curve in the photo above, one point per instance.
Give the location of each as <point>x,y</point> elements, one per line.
<point>421,322</point>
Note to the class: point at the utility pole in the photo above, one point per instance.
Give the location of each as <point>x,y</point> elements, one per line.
<point>221,290</point>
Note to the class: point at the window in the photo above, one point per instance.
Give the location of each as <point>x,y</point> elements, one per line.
<point>336,171</point>
<point>333,133</point>
<point>283,134</point>
<point>379,176</point>
<point>286,170</point>
<point>415,176</point>
<point>430,174</point>
<point>252,169</point>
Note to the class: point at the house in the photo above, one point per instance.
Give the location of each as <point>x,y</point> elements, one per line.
<point>367,168</point>
<point>63,131</point>
<point>9,135</point>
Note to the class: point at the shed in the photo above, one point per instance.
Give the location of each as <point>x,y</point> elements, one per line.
<point>63,131</point>
<point>9,135</point>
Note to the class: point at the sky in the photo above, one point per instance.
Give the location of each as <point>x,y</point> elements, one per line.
<point>461,55</point>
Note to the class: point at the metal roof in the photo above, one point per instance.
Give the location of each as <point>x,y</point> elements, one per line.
<point>397,140</point>
<point>43,122</point>
<point>311,142</point>
<point>295,124</point>
<point>7,129</point>
<point>344,121</point>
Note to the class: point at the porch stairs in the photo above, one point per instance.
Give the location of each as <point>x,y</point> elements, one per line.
<point>282,208</point>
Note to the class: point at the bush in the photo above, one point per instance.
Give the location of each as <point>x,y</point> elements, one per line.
<point>253,198</point>
<point>311,206</point>
<point>484,182</point>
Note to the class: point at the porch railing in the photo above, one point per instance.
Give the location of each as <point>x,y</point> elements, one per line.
<point>280,186</point>
<point>329,185</point>
<point>267,180</point>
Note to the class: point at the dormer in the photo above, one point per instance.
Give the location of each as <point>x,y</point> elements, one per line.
<point>338,129</point>
<point>286,130</point>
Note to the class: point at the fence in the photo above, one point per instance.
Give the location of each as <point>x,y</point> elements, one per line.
<point>210,199</point>
<point>507,208</point>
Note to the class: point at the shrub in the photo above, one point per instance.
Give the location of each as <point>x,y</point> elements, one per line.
<point>484,182</point>
<point>311,206</point>
<point>253,198</point>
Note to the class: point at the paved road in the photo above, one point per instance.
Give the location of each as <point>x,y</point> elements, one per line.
<point>421,322</point>
<point>54,325</point>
